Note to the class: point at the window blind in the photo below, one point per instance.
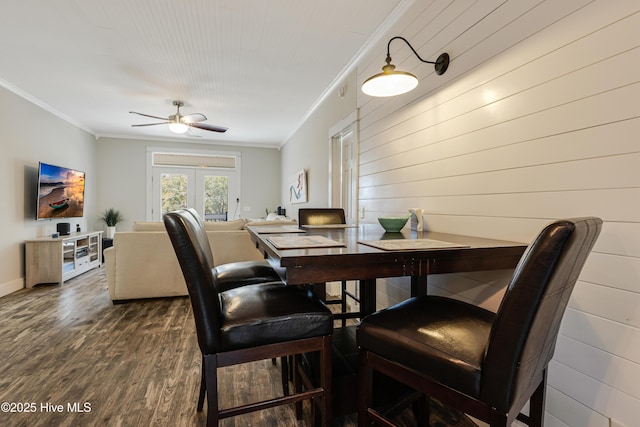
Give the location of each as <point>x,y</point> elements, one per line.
<point>194,160</point>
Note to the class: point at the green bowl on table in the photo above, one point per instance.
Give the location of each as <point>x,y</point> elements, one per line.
<point>393,224</point>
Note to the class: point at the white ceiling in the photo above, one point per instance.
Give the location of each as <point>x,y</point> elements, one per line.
<point>255,66</point>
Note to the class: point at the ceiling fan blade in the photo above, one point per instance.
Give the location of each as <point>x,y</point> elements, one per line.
<point>148,115</point>
<point>150,124</point>
<point>193,118</point>
<point>205,126</point>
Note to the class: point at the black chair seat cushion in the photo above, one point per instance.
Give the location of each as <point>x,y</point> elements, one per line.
<point>270,313</point>
<point>440,338</point>
<point>235,274</point>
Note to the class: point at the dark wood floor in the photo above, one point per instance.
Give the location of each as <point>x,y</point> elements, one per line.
<point>133,364</point>
<point>69,357</point>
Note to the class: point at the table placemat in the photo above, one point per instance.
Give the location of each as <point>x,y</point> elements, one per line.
<point>408,244</point>
<point>309,226</point>
<point>303,242</point>
<point>260,229</point>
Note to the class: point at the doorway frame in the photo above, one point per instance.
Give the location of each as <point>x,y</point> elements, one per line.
<point>350,122</point>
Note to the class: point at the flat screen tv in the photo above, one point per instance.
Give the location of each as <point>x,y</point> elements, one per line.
<point>60,192</point>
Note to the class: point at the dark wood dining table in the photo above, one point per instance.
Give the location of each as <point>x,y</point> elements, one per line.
<point>353,260</point>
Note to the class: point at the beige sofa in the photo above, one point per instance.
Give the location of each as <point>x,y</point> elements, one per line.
<point>142,264</point>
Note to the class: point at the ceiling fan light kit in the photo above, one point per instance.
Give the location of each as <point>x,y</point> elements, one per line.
<point>180,124</point>
<point>177,127</point>
<point>391,82</point>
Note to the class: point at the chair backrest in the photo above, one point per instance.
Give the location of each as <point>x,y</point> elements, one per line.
<point>204,244</point>
<point>525,330</point>
<point>191,245</point>
<point>321,216</point>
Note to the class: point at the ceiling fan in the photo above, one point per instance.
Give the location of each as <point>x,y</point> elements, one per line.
<point>179,123</point>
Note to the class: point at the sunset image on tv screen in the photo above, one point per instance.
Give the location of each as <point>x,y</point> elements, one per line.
<point>60,192</point>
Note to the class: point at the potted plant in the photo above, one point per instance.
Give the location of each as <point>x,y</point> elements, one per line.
<point>111,218</point>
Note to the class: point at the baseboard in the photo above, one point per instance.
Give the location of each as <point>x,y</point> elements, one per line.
<point>10,287</point>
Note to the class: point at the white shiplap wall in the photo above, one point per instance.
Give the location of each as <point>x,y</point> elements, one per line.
<point>537,118</point>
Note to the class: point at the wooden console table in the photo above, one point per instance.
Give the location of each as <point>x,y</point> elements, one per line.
<point>56,260</point>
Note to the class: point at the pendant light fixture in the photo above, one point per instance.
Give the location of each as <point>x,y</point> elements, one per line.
<point>391,82</point>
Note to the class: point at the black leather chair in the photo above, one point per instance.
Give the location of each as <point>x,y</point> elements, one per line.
<point>248,323</point>
<point>241,273</point>
<point>330,216</point>
<point>485,364</point>
<point>234,274</point>
<point>321,216</point>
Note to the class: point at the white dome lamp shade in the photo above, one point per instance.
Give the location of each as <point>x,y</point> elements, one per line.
<point>178,127</point>
<point>391,82</point>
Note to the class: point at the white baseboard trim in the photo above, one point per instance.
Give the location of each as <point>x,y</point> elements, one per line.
<point>10,287</point>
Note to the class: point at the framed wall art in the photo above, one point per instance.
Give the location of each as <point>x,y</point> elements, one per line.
<point>298,187</point>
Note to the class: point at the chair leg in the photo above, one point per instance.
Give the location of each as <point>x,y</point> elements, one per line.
<point>537,403</point>
<point>365,390</point>
<point>297,384</point>
<point>326,375</point>
<point>203,387</point>
<point>319,290</point>
<point>284,367</point>
<point>211,377</point>
<point>422,410</point>
<point>497,419</point>
<point>343,301</point>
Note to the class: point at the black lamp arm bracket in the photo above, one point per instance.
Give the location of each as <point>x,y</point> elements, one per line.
<point>410,47</point>
<point>441,64</point>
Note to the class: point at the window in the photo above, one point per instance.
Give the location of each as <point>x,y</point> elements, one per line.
<point>208,183</point>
